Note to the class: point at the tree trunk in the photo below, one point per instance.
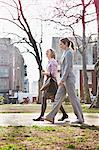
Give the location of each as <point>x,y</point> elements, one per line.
<point>97,102</point>
<point>85,80</point>
<point>40,83</point>
<point>85,77</point>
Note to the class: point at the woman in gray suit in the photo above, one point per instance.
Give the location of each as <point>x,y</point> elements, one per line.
<point>67,83</point>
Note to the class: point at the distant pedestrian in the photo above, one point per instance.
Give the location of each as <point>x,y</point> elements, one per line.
<point>50,92</point>
<point>67,83</point>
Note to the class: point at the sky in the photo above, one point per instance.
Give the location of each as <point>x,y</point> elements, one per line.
<point>36,9</point>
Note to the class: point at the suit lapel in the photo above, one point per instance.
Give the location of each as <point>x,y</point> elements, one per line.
<point>63,56</point>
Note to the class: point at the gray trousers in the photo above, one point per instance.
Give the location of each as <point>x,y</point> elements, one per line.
<point>69,87</point>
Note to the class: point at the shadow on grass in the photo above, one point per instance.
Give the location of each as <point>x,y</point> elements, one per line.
<point>81,126</point>
<point>52,128</point>
<point>85,126</point>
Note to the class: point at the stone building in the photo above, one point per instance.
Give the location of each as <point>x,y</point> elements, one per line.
<point>11,67</point>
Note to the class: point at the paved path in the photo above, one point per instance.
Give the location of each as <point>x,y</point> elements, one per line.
<point>25,119</point>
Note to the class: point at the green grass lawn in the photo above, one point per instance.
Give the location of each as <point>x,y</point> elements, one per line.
<point>35,108</point>
<point>49,138</point>
<point>64,137</point>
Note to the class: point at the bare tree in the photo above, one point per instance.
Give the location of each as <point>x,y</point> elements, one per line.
<point>23,24</point>
<point>69,15</point>
<point>96,2</point>
<point>86,86</point>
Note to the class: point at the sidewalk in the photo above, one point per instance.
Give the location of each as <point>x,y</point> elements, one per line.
<point>25,119</point>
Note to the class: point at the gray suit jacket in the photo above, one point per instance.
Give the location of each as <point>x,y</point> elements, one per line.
<point>67,66</point>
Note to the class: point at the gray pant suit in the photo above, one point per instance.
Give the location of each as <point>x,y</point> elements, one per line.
<point>68,79</point>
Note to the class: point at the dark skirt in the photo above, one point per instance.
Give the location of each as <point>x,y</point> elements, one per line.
<point>50,92</point>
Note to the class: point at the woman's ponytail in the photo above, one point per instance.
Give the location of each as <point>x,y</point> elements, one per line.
<point>72,45</point>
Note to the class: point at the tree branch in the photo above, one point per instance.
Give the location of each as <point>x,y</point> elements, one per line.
<point>28,51</point>
<point>90,39</point>
<point>58,22</point>
<point>89,3</point>
<point>12,22</point>
<point>28,42</point>
<point>28,31</point>
<point>7,4</point>
<point>76,40</point>
<point>90,21</point>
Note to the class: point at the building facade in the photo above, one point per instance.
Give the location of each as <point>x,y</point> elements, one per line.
<point>11,67</point>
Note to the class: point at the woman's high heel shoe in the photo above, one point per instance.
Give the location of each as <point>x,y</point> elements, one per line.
<point>63,117</point>
<point>39,119</point>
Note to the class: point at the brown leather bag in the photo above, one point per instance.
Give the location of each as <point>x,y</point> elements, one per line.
<point>46,84</point>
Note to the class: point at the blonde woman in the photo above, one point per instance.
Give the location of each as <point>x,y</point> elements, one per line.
<point>50,92</point>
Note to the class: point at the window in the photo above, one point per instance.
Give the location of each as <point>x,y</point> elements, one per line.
<point>4,60</point>
<point>4,71</point>
<point>4,84</point>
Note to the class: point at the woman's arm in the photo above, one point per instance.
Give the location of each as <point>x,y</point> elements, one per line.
<point>53,69</point>
<point>68,65</point>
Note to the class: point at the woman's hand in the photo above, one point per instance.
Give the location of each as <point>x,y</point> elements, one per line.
<point>45,73</point>
<point>61,83</point>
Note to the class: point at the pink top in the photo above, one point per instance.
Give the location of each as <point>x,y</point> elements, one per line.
<point>52,67</point>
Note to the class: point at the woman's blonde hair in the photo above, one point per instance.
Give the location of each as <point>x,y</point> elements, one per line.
<point>52,53</point>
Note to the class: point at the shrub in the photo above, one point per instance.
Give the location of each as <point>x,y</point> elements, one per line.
<point>1,99</point>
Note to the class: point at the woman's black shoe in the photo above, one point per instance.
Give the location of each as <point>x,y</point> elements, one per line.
<point>39,119</point>
<point>63,117</point>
